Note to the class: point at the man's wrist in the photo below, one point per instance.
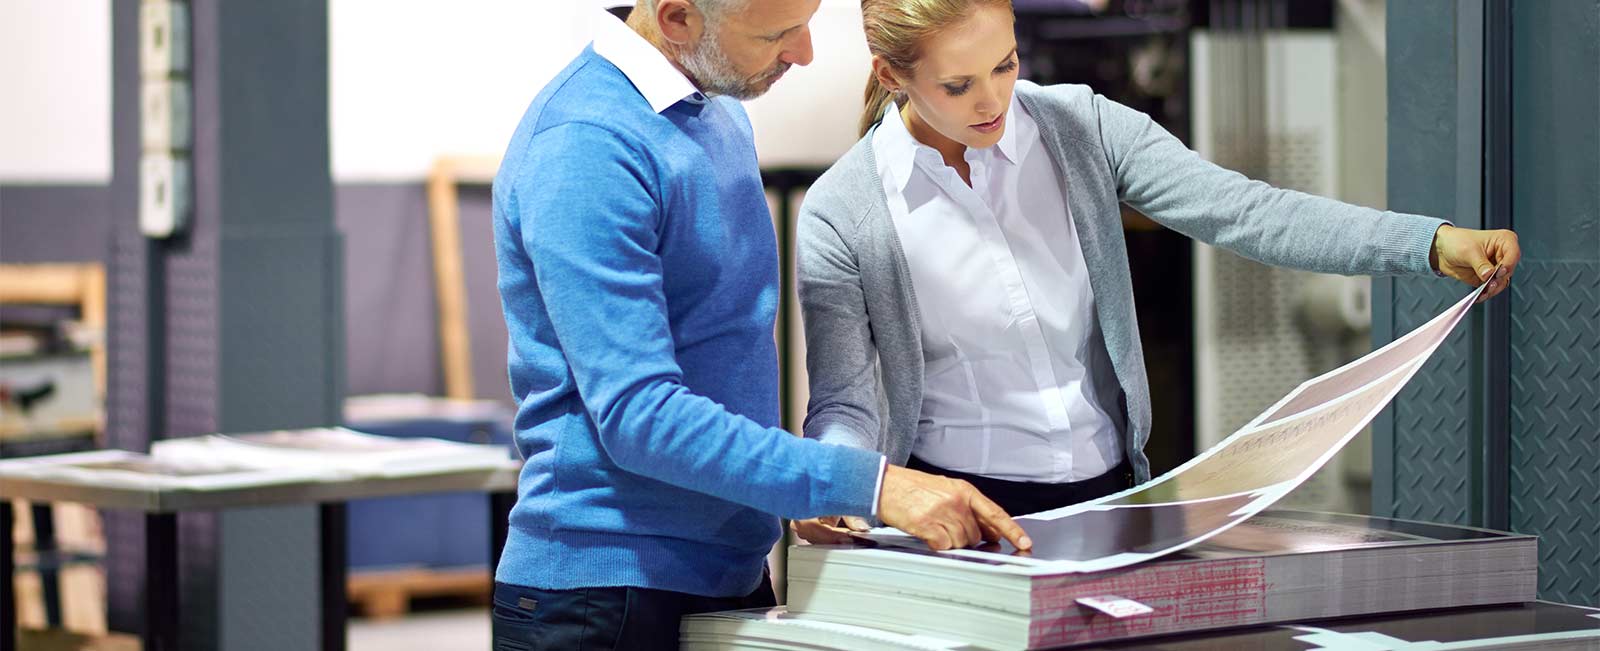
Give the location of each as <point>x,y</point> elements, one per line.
<point>1434,254</point>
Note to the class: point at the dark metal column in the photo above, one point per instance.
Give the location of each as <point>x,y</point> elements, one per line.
<point>253,309</point>
<point>1493,377</point>
<point>8,568</point>
<point>234,323</point>
<point>136,313</point>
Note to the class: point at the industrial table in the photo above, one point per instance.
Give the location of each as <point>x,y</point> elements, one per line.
<point>161,505</point>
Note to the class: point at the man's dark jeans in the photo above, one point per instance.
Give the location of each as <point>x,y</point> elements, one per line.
<point>603,619</point>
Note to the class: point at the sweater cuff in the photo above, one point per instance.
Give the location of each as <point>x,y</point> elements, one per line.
<point>1406,246</point>
<point>847,482</point>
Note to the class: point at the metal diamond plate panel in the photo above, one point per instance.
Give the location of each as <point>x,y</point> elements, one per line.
<point>127,415</point>
<point>1555,424</point>
<point>193,332</point>
<point>1432,466</point>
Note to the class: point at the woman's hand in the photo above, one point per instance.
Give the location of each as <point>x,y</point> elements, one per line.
<point>1470,255</point>
<point>828,530</point>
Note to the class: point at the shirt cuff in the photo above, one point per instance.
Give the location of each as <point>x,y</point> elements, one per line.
<point>877,491</point>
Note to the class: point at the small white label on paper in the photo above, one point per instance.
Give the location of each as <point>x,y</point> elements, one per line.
<point>1116,606</point>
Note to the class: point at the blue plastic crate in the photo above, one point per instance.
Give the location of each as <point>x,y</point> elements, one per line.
<point>445,530</point>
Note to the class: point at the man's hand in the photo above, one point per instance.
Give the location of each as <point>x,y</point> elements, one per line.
<point>828,530</point>
<point>1471,255</point>
<point>945,513</point>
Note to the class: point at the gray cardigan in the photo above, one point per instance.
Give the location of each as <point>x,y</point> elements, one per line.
<point>862,324</point>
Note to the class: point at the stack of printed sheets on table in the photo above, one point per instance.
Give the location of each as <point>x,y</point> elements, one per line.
<point>1540,626</point>
<point>1191,550</point>
<point>1279,566</point>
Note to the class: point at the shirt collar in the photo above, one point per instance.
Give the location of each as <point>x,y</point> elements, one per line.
<point>661,84</point>
<point>896,148</point>
<point>1019,135</point>
<point>899,151</point>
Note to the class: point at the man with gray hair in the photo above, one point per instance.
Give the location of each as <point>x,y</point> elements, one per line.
<point>639,280</point>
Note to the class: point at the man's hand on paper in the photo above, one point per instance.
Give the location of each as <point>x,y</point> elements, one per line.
<point>945,513</point>
<point>828,530</point>
<point>1470,256</point>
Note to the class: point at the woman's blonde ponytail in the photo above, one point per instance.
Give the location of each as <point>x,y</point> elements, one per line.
<point>877,100</point>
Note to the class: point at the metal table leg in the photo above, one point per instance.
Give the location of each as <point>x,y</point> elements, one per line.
<point>51,561</point>
<point>161,582</point>
<point>335,571</point>
<point>8,567</point>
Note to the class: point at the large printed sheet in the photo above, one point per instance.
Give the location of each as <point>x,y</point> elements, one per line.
<point>1241,476</point>
<point>122,469</point>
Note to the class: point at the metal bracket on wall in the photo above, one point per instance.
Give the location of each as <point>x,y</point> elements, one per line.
<point>165,124</point>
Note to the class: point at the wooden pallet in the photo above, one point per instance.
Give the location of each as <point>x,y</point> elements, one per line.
<point>58,640</point>
<point>387,594</point>
<point>83,599</point>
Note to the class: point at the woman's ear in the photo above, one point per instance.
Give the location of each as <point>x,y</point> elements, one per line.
<point>887,76</point>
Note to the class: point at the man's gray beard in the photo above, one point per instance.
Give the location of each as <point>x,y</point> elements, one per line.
<point>716,75</point>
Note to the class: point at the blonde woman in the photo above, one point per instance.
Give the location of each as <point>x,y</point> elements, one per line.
<point>964,278</point>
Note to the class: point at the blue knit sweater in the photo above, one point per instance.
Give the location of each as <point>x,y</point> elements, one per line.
<point>639,279</point>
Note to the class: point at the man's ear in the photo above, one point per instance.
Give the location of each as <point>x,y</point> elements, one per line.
<point>681,22</point>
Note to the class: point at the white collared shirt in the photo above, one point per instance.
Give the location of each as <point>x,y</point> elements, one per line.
<point>660,82</point>
<point>663,85</point>
<point>1018,383</point>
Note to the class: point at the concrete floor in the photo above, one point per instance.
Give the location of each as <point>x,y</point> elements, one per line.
<point>436,630</point>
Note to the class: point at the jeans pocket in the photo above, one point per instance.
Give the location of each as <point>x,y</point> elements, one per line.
<point>527,619</point>
<point>513,618</point>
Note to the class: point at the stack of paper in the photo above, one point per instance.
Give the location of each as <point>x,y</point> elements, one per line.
<point>1280,566</point>
<point>339,452</point>
<point>1541,625</point>
<point>777,630</point>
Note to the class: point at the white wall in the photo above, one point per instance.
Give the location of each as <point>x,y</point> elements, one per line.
<point>408,81</point>
<point>55,91</point>
<point>411,81</point>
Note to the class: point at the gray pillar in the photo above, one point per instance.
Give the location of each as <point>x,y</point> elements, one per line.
<point>240,314</point>
<point>133,315</point>
<point>1493,110</point>
<point>1555,307</point>
<point>1423,448</point>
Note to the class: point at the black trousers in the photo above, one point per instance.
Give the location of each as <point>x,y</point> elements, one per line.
<point>1022,497</point>
<point>603,619</point>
